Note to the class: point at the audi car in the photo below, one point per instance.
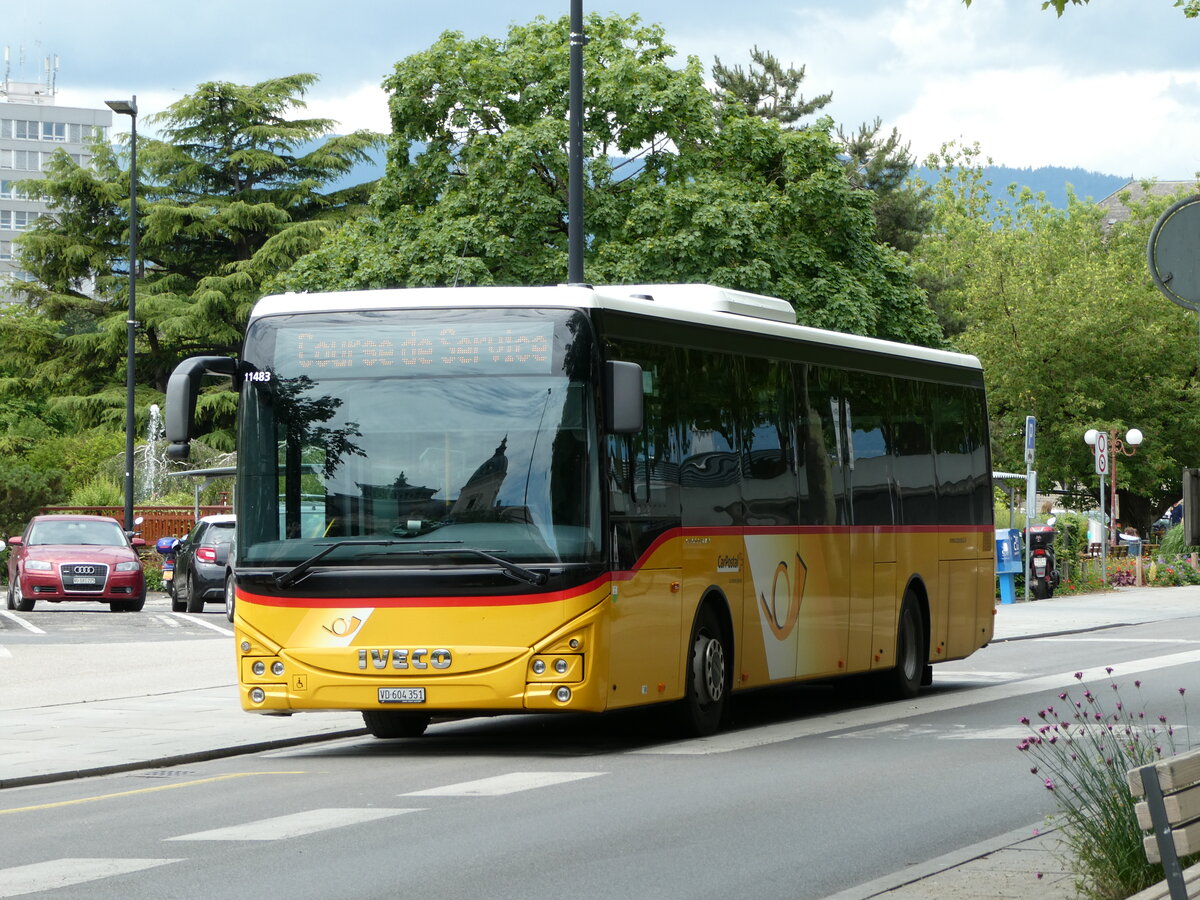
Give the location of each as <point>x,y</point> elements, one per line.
<point>67,558</point>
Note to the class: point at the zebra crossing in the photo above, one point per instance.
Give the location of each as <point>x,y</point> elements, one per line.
<point>17,881</point>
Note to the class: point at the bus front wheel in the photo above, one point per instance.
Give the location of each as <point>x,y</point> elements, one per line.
<point>904,681</point>
<point>706,695</point>
<point>388,724</point>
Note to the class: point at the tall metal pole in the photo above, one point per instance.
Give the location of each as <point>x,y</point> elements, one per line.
<point>129,108</point>
<point>575,231</point>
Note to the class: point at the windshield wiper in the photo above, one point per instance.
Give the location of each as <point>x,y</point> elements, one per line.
<point>290,577</point>
<point>511,568</point>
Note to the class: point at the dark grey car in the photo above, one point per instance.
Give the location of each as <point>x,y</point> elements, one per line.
<point>201,564</point>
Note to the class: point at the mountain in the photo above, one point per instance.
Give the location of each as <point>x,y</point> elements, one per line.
<point>1051,180</point>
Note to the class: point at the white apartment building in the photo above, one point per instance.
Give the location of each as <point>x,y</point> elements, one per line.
<point>32,128</point>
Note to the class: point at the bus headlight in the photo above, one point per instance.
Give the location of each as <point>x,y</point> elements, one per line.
<point>259,667</point>
<point>562,694</point>
<point>258,695</point>
<point>539,667</point>
<point>277,668</point>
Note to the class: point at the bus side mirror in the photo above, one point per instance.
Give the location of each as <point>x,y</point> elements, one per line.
<point>623,397</point>
<point>182,390</point>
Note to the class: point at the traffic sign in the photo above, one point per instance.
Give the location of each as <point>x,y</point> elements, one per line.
<point>1101,453</point>
<point>1030,435</point>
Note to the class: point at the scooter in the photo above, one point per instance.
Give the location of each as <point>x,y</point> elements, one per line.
<point>1043,570</point>
<point>167,548</point>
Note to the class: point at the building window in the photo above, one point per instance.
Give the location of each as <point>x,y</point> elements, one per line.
<point>5,249</point>
<point>54,131</point>
<point>25,160</point>
<point>17,219</point>
<point>9,191</point>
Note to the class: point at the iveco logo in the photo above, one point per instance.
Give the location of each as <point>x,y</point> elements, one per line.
<point>85,570</point>
<point>404,659</point>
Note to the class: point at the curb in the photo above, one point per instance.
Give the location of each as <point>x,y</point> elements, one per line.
<point>177,759</point>
<point>952,860</point>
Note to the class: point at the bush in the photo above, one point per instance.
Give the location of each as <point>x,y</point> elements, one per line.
<point>1081,753</point>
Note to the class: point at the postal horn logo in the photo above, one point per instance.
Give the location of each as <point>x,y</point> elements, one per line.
<point>787,593</point>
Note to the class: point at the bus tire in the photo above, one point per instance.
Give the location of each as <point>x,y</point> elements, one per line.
<point>904,681</point>
<point>708,682</point>
<point>387,724</point>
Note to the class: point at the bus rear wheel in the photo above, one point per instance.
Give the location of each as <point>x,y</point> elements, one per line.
<point>386,724</point>
<point>706,694</point>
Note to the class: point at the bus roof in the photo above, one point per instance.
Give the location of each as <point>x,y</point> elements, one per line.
<point>701,304</point>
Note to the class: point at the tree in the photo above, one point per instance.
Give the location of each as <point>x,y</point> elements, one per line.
<point>230,193</point>
<point>1191,8</point>
<point>881,165</point>
<point>679,188</point>
<point>1060,309</point>
<point>765,89</point>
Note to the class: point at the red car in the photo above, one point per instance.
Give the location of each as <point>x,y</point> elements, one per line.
<point>75,558</point>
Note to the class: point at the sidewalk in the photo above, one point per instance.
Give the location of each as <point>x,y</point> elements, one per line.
<point>69,712</point>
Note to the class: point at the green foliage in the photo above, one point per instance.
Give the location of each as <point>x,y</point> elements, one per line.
<point>765,89</point>
<point>1081,752</point>
<point>227,197</point>
<point>476,185</point>
<point>24,490</point>
<point>98,492</point>
<point>1059,307</point>
<point>1174,543</point>
<point>1071,536</point>
<point>1172,572</point>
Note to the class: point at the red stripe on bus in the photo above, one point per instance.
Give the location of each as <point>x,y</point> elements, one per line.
<point>599,583</point>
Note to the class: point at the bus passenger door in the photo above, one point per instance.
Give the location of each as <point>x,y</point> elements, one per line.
<point>645,610</point>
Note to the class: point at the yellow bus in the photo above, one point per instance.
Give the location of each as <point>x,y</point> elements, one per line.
<point>500,500</point>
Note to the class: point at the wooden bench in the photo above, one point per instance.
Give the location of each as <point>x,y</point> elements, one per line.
<point>1170,810</point>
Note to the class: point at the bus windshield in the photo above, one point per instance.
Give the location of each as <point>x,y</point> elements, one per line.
<point>418,437</point>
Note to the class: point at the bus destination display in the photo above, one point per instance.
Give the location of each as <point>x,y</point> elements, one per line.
<point>474,348</point>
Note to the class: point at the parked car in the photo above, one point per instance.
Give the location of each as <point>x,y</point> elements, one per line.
<point>200,564</point>
<point>68,557</point>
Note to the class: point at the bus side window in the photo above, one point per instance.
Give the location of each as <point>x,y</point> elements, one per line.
<point>820,447</point>
<point>709,473</point>
<point>870,448</point>
<point>912,444</point>
<point>768,444</point>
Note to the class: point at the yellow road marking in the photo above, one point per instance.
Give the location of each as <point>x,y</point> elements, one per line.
<point>151,790</point>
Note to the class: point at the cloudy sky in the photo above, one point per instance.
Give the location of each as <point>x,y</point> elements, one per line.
<point>1113,86</point>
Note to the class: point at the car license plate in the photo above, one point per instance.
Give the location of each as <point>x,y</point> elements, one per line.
<point>402,695</point>
<point>83,579</point>
<point>168,574</point>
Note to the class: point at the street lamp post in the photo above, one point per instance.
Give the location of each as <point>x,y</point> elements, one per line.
<point>129,108</point>
<point>1111,448</point>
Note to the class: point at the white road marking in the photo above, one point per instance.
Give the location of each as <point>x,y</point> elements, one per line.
<point>28,626</point>
<point>168,620</point>
<point>207,624</point>
<point>1015,733</point>
<point>295,825</point>
<point>946,676</point>
<point>1080,639</point>
<point>503,784</point>
<point>923,705</point>
<point>5,653</point>
<point>56,873</point>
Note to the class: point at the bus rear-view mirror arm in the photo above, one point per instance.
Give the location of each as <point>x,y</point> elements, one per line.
<point>182,390</point>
